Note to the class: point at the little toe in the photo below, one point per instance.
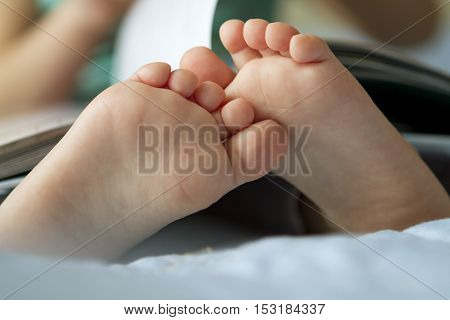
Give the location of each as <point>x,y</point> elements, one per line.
<point>153,74</point>
<point>232,37</point>
<point>183,82</point>
<point>309,48</point>
<point>237,115</point>
<point>279,35</point>
<point>209,95</point>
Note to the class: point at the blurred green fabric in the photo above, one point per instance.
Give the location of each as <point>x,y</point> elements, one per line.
<point>95,77</point>
<point>243,10</point>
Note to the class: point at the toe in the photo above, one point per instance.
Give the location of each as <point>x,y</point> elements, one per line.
<point>232,36</point>
<point>308,48</point>
<point>183,82</point>
<point>255,34</point>
<point>207,66</point>
<point>153,74</point>
<point>209,95</point>
<point>257,150</point>
<point>279,35</point>
<point>237,115</point>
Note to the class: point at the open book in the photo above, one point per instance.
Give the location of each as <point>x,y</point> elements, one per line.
<point>413,96</point>
<point>25,139</point>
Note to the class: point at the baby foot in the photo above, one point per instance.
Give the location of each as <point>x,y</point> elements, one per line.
<point>364,176</point>
<point>93,185</point>
<point>231,117</point>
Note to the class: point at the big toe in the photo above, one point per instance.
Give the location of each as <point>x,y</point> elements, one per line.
<point>207,66</point>
<point>237,115</point>
<point>257,150</point>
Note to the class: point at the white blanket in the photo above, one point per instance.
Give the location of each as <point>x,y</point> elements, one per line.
<point>413,264</point>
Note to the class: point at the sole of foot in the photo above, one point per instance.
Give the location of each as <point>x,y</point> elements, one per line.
<point>361,173</point>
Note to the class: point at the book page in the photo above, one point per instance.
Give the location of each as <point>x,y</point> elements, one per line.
<point>26,138</point>
<point>31,123</point>
<point>162,31</point>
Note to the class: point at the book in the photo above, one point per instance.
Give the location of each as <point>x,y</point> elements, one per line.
<point>414,97</point>
<point>25,139</point>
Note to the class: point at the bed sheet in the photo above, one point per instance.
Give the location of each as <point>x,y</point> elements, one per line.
<point>412,264</point>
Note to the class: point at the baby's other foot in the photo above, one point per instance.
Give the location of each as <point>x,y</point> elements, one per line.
<point>362,174</point>
<point>140,156</point>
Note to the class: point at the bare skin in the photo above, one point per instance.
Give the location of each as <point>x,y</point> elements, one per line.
<point>39,66</point>
<point>90,182</point>
<point>365,176</point>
